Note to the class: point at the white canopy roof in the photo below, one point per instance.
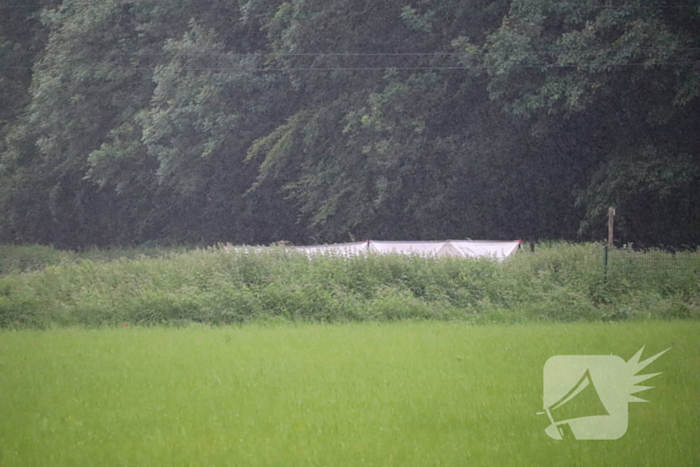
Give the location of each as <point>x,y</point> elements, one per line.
<point>459,248</point>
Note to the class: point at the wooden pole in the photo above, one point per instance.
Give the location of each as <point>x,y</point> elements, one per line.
<point>611,221</point>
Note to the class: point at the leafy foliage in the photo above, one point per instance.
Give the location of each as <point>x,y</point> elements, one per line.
<point>630,67</point>
<point>308,121</point>
<point>154,286</point>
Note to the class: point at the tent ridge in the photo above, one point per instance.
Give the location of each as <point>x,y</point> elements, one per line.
<point>496,249</point>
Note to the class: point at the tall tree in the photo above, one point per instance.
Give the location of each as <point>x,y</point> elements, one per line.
<point>623,75</point>
<point>385,145</point>
<point>308,120</point>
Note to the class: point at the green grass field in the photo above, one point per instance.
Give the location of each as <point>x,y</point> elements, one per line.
<point>399,394</point>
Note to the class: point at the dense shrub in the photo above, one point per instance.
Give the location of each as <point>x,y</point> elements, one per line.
<point>558,283</point>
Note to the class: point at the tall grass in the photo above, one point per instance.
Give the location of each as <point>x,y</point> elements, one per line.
<point>22,259</point>
<point>558,283</point>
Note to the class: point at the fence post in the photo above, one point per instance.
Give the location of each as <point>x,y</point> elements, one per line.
<point>605,264</point>
<point>611,221</point>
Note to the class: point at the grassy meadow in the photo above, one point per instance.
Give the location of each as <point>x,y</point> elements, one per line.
<point>358,394</point>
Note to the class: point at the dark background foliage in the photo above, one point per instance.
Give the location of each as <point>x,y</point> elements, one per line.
<point>124,122</point>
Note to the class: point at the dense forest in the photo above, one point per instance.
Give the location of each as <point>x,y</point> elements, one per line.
<point>124,122</point>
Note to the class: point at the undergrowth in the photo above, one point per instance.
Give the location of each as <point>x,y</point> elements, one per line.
<point>41,287</point>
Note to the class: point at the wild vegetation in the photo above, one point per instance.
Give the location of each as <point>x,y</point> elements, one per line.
<point>557,283</point>
<point>128,121</point>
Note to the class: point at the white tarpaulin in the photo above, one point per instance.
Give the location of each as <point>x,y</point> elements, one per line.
<point>459,248</point>
<point>343,249</point>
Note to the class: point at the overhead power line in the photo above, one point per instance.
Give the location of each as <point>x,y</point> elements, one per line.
<point>393,54</point>
<point>572,5</point>
<point>378,68</point>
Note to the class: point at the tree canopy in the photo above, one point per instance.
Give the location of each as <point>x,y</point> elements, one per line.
<point>255,121</point>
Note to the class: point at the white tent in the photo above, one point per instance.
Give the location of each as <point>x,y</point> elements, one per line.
<point>459,248</point>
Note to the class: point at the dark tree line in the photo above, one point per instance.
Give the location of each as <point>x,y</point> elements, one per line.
<point>128,121</point>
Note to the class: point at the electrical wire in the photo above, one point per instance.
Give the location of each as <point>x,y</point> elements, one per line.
<point>572,5</point>
<point>394,54</point>
<point>379,68</point>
